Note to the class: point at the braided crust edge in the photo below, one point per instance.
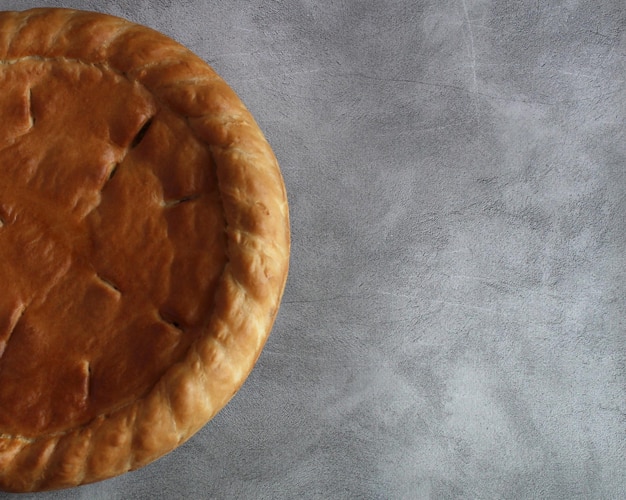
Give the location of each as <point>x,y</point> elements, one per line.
<point>255,207</point>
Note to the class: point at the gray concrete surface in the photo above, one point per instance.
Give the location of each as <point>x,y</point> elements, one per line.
<point>453,324</point>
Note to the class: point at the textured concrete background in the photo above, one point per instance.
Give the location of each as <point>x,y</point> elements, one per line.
<point>453,325</point>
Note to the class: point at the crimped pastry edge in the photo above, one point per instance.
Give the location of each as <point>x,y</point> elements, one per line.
<point>192,391</point>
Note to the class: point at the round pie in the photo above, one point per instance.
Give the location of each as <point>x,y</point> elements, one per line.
<point>144,246</point>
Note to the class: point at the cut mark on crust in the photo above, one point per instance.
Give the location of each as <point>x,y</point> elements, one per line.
<point>89,379</point>
<point>170,321</point>
<point>109,284</point>
<point>184,199</point>
<point>30,108</point>
<point>88,373</point>
<point>113,170</point>
<point>14,319</point>
<point>141,134</point>
<point>7,215</point>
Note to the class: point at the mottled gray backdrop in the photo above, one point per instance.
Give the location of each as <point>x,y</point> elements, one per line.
<point>453,324</point>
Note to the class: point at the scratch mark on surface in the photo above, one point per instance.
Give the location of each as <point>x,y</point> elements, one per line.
<point>494,312</point>
<point>573,73</point>
<point>471,43</point>
<point>326,299</point>
<point>232,54</point>
<point>469,277</point>
<point>304,72</point>
<point>417,130</point>
<point>399,295</point>
<point>544,102</point>
<point>472,55</point>
<point>602,35</point>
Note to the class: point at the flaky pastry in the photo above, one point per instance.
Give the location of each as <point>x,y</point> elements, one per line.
<point>144,246</point>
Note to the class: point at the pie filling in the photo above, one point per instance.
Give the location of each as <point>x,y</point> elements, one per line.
<point>111,242</point>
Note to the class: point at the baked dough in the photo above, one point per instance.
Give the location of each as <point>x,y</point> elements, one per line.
<point>144,246</point>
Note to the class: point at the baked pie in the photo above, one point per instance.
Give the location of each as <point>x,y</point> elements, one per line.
<point>144,246</point>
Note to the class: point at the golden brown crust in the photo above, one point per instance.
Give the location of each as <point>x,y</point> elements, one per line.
<point>100,438</point>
